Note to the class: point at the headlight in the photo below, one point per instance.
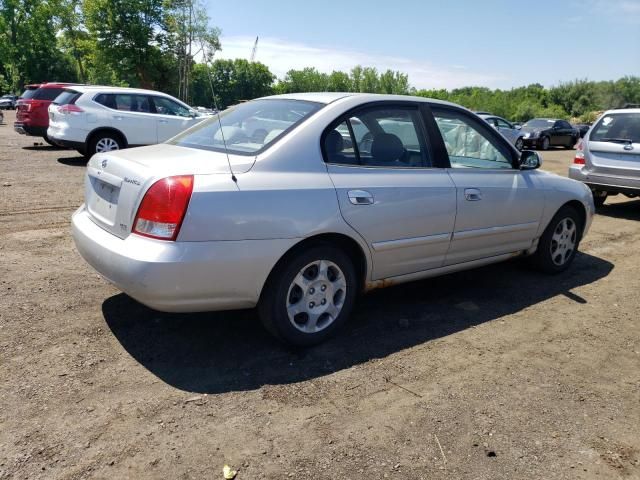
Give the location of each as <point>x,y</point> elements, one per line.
<point>527,135</point>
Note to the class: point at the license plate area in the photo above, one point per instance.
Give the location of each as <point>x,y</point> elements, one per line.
<point>103,203</point>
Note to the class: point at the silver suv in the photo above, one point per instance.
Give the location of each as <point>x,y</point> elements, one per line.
<point>608,158</point>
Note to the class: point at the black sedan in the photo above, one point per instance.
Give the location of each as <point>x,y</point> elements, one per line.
<point>543,133</point>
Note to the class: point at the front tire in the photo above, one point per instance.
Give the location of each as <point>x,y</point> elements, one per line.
<point>309,295</point>
<point>558,244</point>
<point>546,142</point>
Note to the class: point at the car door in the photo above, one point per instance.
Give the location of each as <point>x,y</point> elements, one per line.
<point>171,118</point>
<point>506,129</point>
<point>389,187</point>
<point>498,206</point>
<point>131,115</point>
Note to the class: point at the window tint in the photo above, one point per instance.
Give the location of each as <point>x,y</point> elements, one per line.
<point>29,93</point>
<point>618,127</point>
<point>164,106</point>
<point>467,145</point>
<point>565,124</point>
<point>125,102</point>
<point>47,93</point>
<point>67,97</point>
<point>378,137</point>
<point>247,128</point>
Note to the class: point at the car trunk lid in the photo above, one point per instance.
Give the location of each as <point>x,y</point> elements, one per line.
<point>117,181</point>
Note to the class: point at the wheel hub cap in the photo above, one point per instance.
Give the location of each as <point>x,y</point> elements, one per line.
<point>563,241</point>
<point>316,296</point>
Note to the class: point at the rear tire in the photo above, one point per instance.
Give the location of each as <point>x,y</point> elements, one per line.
<point>309,295</point>
<point>559,243</point>
<point>105,142</point>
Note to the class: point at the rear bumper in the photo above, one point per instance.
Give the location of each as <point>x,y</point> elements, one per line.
<point>605,183</point>
<point>25,129</point>
<point>179,276</point>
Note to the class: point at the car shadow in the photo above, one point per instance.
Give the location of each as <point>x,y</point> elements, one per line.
<point>42,146</point>
<point>230,351</point>
<point>78,161</point>
<point>629,210</point>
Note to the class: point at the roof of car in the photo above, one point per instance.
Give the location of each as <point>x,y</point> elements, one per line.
<point>329,97</point>
<point>623,110</point>
<point>110,89</point>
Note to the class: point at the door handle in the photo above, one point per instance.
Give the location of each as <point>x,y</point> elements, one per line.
<point>163,121</point>
<point>360,197</point>
<point>472,194</point>
<point>117,117</point>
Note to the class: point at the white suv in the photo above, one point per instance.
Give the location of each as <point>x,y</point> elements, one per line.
<point>93,119</point>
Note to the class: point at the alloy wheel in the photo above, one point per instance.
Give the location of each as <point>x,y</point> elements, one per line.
<point>563,241</point>
<point>106,145</point>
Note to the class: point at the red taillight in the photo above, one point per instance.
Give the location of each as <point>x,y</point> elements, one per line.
<point>69,109</point>
<point>579,158</point>
<point>163,208</point>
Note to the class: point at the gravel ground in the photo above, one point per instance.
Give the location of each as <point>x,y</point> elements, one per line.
<point>496,373</point>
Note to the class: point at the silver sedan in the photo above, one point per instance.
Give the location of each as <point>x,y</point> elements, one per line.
<point>297,203</point>
<point>506,128</point>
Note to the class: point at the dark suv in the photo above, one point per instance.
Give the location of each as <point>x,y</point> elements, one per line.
<point>32,109</point>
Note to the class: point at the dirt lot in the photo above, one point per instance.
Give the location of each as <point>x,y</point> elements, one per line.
<point>497,373</point>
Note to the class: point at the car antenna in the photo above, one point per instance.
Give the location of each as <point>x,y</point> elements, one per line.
<point>215,104</point>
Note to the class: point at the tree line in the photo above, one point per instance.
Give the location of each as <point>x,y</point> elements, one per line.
<point>169,45</point>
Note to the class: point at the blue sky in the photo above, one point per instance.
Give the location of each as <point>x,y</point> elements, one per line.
<point>440,44</point>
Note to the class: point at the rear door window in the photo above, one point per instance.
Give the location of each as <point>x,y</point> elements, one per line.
<point>378,137</point>
<point>617,128</point>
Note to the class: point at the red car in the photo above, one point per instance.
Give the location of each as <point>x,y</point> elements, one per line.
<point>32,108</point>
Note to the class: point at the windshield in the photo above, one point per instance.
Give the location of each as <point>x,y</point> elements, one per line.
<point>247,128</point>
<point>540,123</point>
<point>618,127</point>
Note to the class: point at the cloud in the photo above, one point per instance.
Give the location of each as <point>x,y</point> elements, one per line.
<point>281,56</point>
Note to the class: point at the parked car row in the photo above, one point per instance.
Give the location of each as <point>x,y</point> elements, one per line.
<point>8,102</point>
<point>95,119</point>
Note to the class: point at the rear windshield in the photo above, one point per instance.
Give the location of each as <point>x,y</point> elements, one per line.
<point>617,128</point>
<point>29,93</point>
<point>47,93</point>
<point>67,97</point>
<point>247,128</point>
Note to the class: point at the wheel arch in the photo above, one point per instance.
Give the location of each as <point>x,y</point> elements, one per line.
<point>98,130</point>
<point>582,212</point>
<point>350,246</point>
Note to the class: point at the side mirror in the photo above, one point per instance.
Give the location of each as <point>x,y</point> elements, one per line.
<point>518,127</point>
<point>530,160</point>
